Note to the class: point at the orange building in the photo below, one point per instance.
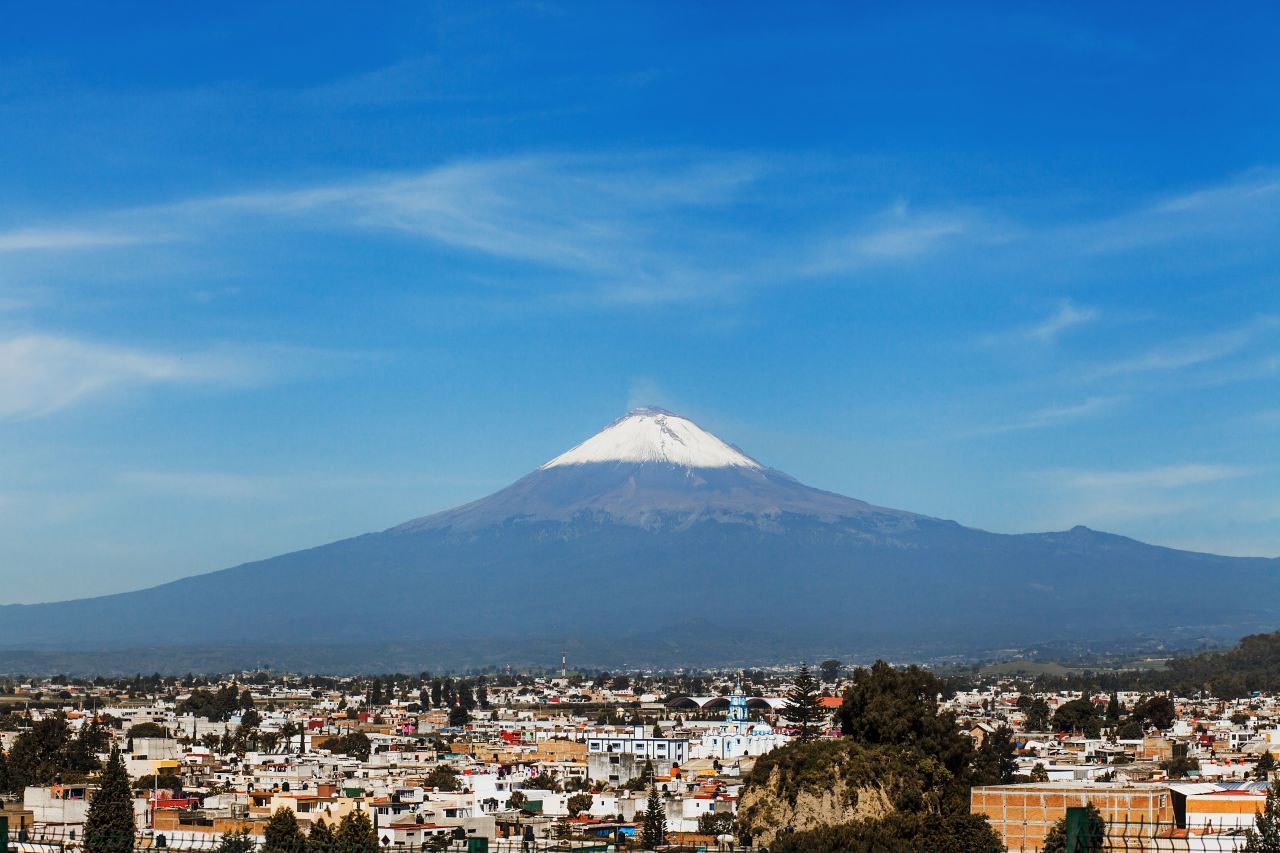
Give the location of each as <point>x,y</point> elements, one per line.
<point>1024,814</point>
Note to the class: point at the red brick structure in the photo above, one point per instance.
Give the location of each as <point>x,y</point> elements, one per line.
<point>1023,814</point>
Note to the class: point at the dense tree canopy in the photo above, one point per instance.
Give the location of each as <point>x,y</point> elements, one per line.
<point>49,751</point>
<point>1078,715</point>
<point>355,833</point>
<point>829,670</point>
<point>994,763</point>
<point>957,833</point>
<point>443,778</point>
<point>1130,729</point>
<point>282,833</point>
<point>1157,711</point>
<point>1036,711</point>
<point>884,705</point>
<point>355,744</point>
<point>321,838</point>
<point>216,705</point>
<point>237,841</point>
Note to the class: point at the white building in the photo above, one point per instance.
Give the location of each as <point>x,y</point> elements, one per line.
<point>665,750</point>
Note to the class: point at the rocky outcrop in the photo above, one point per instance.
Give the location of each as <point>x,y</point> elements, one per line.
<point>808,786</point>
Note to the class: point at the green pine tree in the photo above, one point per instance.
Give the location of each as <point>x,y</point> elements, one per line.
<point>653,830</point>
<point>459,716</point>
<point>355,834</point>
<point>1095,839</point>
<point>238,841</point>
<point>802,704</point>
<point>1037,713</point>
<point>320,839</point>
<point>282,833</point>
<point>109,827</point>
<point>39,754</point>
<point>1264,836</point>
<point>993,762</point>
<point>1265,767</point>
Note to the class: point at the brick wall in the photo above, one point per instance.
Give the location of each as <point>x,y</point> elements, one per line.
<point>1024,814</point>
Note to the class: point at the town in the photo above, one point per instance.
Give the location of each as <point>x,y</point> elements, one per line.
<point>577,761</point>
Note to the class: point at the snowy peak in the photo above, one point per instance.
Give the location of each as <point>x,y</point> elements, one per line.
<point>655,435</point>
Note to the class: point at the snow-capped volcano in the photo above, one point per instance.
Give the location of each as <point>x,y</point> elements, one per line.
<point>652,468</point>
<point>655,435</point>
<point>635,543</point>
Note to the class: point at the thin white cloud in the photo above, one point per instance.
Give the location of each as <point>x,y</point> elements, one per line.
<point>1051,416</point>
<point>1243,208</point>
<point>237,486</point>
<point>419,78</point>
<point>1262,188</point>
<point>41,374</point>
<point>1066,317</point>
<point>619,225</point>
<point>901,235</point>
<point>908,239</point>
<point>65,239</point>
<point>199,484</point>
<point>1163,477</point>
<point>1144,496</point>
<point>661,227</point>
<point>598,217</point>
<point>1191,351</point>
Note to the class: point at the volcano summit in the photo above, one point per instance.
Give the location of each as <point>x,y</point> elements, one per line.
<point>656,543</point>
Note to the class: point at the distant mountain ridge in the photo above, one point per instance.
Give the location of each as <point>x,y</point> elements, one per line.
<point>656,543</point>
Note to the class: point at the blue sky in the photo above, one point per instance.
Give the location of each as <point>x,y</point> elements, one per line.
<point>278,274</point>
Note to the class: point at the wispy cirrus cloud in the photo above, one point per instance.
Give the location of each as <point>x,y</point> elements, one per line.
<point>621,225</point>
<point>1068,315</point>
<point>41,374</point>
<point>1050,416</point>
<point>1240,208</point>
<point>1101,497</point>
<point>1192,351</point>
<point>902,234</point>
<point>219,485</point>
<point>593,215</point>
<point>1161,477</point>
<point>670,226</point>
<point>908,239</point>
<point>64,239</point>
